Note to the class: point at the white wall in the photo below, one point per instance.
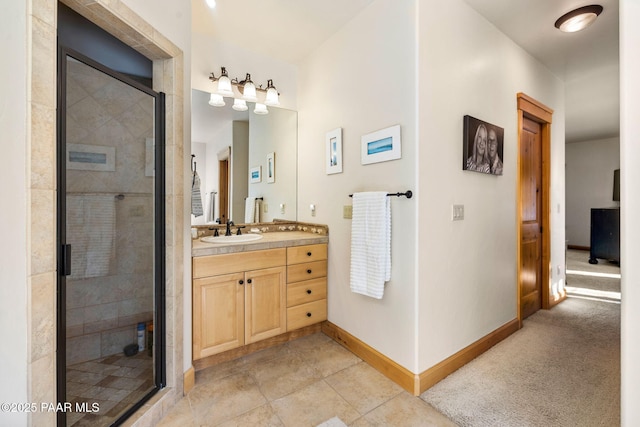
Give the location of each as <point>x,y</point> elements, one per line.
<point>630,197</point>
<point>467,269</point>
<point>276,133</point>
<point>13,227</point>
<point>589,176</point>
<point>362,79</point>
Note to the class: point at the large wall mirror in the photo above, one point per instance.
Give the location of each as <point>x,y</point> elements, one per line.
<point>246,163</point>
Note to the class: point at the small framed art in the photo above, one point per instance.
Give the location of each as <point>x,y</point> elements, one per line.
<point>271,168</point>
<point>381,146</point>
<point>334,151</point>
<point>255,175</point>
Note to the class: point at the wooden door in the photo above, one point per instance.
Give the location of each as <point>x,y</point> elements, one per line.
<point>223,185</point>
<point>265,304</point>
<point>530,218</point>
<point>218,314</point>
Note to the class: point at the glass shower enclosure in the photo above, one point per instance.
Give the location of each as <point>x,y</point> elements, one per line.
<point>110,243</point>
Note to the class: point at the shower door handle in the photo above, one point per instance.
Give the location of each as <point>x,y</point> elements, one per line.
<point>65,258</point>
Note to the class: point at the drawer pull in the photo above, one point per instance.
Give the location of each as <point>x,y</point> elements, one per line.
<point>309,291</point>
<point>309,271</point>
<point>249,281</point>
<point>308,314</point>
<point>241,282</point>
<point>308,253</point>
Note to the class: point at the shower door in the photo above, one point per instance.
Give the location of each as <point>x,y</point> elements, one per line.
<point>110,356</point>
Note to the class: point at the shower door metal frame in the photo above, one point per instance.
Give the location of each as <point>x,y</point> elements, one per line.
<point>63,250</point>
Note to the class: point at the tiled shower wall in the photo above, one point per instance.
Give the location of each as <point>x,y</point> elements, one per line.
<point>103,311</point>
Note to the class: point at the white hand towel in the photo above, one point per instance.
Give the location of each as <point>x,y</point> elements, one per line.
<point>249,210</point>
<point>196,197</point>
<point>370,243</point>
<point>258,211</point>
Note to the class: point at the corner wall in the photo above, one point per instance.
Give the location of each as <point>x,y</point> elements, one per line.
<point>630,196</point>
<point>362,79</point>
<point>13,227</point>
<point>589,175</point>
<point>467,269</point>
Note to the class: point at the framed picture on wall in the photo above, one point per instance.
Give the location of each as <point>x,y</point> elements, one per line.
<point>482,146</point>
<point>255,175</point>
<point>271,168</point>
<point>381,146</point>
<point>334,151</point>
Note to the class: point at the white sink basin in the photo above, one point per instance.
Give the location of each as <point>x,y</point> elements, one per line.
<point>225,240</point>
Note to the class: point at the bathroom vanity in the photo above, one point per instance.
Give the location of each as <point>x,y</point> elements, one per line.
<point>249,291</point>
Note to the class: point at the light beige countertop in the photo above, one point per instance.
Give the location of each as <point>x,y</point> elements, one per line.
<point>270,240</point>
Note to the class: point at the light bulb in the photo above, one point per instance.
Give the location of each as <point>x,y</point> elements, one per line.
<point>249,90</point>
<point>216,100</point>
<point>260,109</point>
<point>240,105</point>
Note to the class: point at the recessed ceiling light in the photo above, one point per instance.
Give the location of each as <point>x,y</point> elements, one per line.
<point>211,3</point>
<point>578,19</point>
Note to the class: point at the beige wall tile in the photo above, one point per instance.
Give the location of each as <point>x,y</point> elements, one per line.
<point>43,153</point>
<point>43,63</point>
<point>43,321</point>
<point>42,231</point>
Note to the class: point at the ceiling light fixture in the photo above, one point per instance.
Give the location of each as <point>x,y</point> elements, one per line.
<point>211,3</point>
<point>247,90</point>
<point>578,19</point>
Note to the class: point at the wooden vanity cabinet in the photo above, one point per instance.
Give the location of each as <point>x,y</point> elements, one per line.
<point>306,285</point>
<point>237,299</point>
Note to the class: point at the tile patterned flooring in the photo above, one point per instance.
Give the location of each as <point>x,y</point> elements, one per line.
<point>300,383</point>
<point>114,382</point>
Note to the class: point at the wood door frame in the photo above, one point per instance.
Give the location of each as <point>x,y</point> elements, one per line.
<point>538,112</point>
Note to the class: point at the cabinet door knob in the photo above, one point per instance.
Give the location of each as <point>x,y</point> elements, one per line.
<point>309,291</point>
<point>249,281</point>
<point>308,253</point>
<point>309,271</point>
<point>308,314</point>
<point>241,282</point>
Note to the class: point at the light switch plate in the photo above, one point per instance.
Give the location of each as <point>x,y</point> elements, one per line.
<point>347,211</point>
<point>457,212</point>
<point>265,207</point>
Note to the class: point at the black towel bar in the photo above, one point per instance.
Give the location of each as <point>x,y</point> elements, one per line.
<point>408,194</point>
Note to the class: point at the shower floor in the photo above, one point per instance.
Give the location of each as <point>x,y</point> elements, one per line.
<point>114,383</point>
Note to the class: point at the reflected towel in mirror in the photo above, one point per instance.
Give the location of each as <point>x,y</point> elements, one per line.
<point>196,197</point>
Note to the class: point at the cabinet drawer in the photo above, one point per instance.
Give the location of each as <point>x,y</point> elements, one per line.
<point>214,265</point>
<point>300,254</point>
<point>306,291</point>
<point>306,314</point>
<point>306,271</point>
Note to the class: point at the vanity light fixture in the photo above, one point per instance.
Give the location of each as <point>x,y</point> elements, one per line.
<point>578,19</point>
<point>248,92</point>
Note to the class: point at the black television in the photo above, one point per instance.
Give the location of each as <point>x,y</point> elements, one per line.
<point>616,185</point>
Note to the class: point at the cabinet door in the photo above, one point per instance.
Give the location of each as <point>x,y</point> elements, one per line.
<point>265,304</point>
<point>218,314</point>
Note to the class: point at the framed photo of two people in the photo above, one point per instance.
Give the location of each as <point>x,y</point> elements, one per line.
<point>483,145</point>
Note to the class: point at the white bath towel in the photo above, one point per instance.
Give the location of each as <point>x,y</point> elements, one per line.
<point>91,228</point>
<point>370,243</point>
<point>249,210</point>
<point>258,211</point>
<point>211,208</point>
<point>196,196</point>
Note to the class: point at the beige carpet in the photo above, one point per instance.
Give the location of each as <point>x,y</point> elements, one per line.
<point>561,369</point>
